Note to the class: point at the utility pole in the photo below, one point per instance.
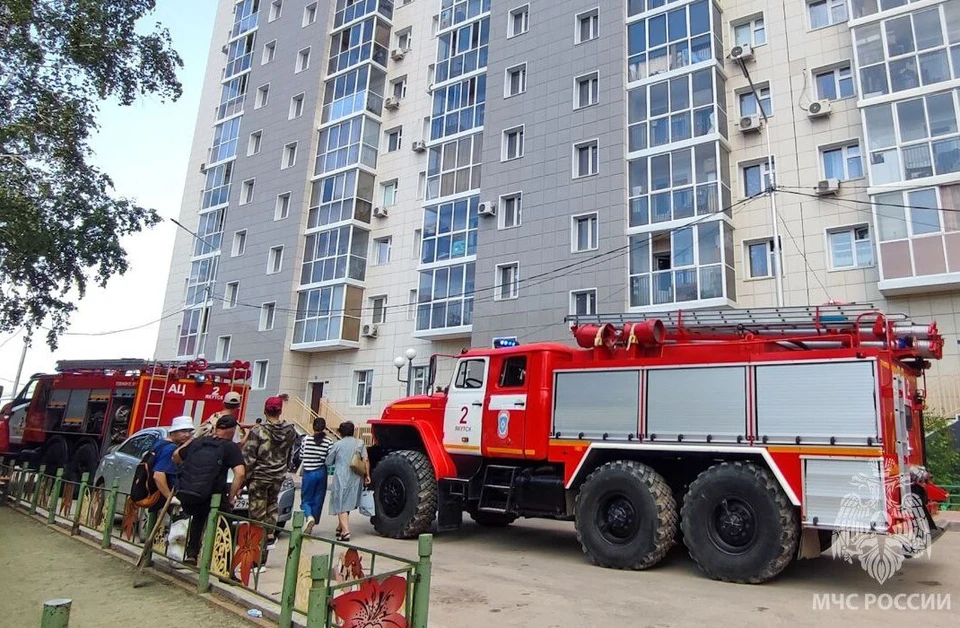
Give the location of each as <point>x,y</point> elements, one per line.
<point>23,357</point>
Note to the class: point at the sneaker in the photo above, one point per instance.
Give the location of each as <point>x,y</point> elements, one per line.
<point>259,570</point>
<point>271,543</point>
<point>190,560</point>
<point>308,526</point>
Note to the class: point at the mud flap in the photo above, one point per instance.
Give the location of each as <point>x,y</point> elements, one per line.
<point>451,499</point>
<point>809,546</point>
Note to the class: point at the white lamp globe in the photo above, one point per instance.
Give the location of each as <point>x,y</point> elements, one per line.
<point>399,362</point>
<point>411,353</point>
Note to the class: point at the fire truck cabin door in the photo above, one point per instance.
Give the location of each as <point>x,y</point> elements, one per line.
<point>504,419</point>
<point>463,417</point>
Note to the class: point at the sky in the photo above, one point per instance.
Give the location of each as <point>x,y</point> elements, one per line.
<point>144,148</point>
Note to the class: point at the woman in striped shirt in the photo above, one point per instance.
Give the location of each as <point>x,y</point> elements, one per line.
<point>313,489</point>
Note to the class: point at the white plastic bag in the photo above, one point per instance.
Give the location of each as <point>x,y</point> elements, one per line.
<point>177,539</point>
<point>367,507</point>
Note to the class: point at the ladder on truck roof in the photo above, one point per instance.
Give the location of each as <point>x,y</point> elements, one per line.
<point>820,326</point>
<point>156,395</point>
<point>131,364</point>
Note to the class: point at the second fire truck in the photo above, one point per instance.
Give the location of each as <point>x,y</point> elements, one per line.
<point>756,435</point>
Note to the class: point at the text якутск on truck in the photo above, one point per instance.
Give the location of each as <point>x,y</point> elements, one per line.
<point>70,418</point>
<point>748,431</point>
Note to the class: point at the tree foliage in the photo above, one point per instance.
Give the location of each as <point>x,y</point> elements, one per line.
<point>60,221</point>
<point>943,455</point>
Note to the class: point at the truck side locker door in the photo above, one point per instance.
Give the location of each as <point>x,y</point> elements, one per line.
<point>505,416</point>
<point>463,416</point>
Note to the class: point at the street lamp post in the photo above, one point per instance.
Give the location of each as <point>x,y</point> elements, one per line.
<point>399,361</point>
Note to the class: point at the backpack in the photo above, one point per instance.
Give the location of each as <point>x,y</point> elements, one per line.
<point>143,490</point>
<point>201,469</point>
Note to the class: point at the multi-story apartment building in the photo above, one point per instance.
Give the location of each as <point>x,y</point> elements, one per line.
<point>370,176</point>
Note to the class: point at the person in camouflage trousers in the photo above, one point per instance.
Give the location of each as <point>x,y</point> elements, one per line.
<point>268,456</point>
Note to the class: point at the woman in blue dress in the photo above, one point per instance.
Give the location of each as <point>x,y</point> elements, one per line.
<point>347,483</point>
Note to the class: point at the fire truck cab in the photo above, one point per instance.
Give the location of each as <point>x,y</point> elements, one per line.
<point>72,417</point>
<point>758,434</point>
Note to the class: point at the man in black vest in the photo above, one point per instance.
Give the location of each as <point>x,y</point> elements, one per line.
<point>205,463</point>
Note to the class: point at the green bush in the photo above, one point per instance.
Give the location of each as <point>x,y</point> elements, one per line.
<point>943,457</point>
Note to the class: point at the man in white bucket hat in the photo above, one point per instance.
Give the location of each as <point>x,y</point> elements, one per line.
<point>165,470</point>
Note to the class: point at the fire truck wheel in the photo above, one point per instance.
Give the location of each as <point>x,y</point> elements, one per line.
<point>738,524</point>
<point>626,516</point>
<point>55,454</point>
<point>492,519</point>
<point>85,460</point>
<point>405,492</point>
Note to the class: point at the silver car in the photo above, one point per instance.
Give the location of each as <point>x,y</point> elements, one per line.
<point>121,462</point>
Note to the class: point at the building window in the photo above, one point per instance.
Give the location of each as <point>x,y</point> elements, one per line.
<point>585,233</point>
<point>363,387</point>
<point>269,52</point>
<point>588,26</point>
<point>515,81</point>
<point>508,276</point>
<point>275,260</point>
<point>282,209</point>
<point>404,39</point>
<point>417,241</point>
<point>296,107</point>
<point>583,302</point>
<point>749,32</point>
<point>587,90</point>
<point>239,243</point>
<point>275,9</point>
<point>379,306</point>
<point>511,207</point>
<point>850,247</point>
<point>394,139</point>
<point>842,162</point>
<point>411,305</point>
<point>586,159</point>
<point>512,144</point>
<point>310,14</point>
<point>835,84</point>
<point>263,95</point>
<point>445,297</point>
<point>760,259</point>
<point>303,60</point>
<point>421,377</point>
<point>827,13</point>
<point>254,143</point>
<point>231,294</point>
<point>267,313</point>
<point>260,371</point>
<point>246,191</point>
<point>389,193</point>
<point>756,177</point>
<point>519,21</point>
<point>289,159</point>
<point>381,250</point>
<point>748,101</point>
<point>398,88</point>
<point>914,213</point>
<point>223,348</point>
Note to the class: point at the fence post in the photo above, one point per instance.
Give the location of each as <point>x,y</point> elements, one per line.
<point>56,614</point>
<point>36,489</point>
<point>84,480</point>
<point>152,521</point>
<point>317,610</point>
<point>54,500</point>
<point>111,513</point>
<point>289,592</point>
<point>421,589</point>
<point>209,534</point>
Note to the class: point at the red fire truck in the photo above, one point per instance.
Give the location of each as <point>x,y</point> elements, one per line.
<point>757,435</point>
<point>71,417</point>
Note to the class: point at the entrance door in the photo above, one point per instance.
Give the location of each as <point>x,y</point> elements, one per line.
<point>316,395</point>
<point>463,417</point>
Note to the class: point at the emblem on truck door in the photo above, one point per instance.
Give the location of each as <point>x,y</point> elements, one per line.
<point>503,424</point>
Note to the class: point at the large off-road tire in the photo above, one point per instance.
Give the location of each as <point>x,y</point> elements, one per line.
<point>405,494</point>
<point>492,519</point>
<point>738,524</point>
<point>84,460</point>
<point>56,454</point>
<point>626,516</point>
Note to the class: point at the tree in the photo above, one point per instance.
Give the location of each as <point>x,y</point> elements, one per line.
<point>60,222</point>
<point>943,455</point>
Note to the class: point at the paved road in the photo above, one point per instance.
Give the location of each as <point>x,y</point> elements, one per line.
<point>38,564</point>
<point>533,575</point>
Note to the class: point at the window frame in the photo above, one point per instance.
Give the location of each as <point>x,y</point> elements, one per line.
<point>581,292</point>
<point>223,347</point>
<point>388,135</point>
<point>593,15</point>
<point>852,230</point>
<point>577,81</point>
<point>830,5</point>
<point>288,157</point>
<point>362,379</point>
<point>262,98</point>
<point>505,142</point>
<point>264,374</point>
<point>760,87</point>
<point>255,143</point>
<point>231,295</point>
<point>517,197</point>
<point>521,68</point>
<point>514,281</point>
<point>276,10</point>
<point>768,170</point>
<point>270,46</point>
<point>239,246</point>
<point>296,106</point>
<point>593,235</point>
<point>751,22</point>
<point>247,190</point>
<point>382,319</point>
<point>275,259</point>
<point>771,259</point>
<point>309,14</point>
<point>844,147</point>
<point>835,70</point>
<point>511,19</point>
<point>395,184</point>
<point>594,160</point>
<point>281,209</point>
<point>376,257</point>
<point>268,316</point>
<point>303,61</point>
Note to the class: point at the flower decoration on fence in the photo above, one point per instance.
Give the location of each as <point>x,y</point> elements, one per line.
<point>374,605</point>
<point>249,538</point>
<point>130,515</point>
<point>67,502</point>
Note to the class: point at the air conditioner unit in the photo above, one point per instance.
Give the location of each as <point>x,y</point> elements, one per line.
<point>818,109</point>
<point>397,54</point>
<point>380,212</point>
<point>741,53</point>
<point>203,168</point>
<point>750,124</point>
<point>488,208</point>
<point>828,186</point>
<point>368,331</point>
<point>391,103</point>
<point>419,146</point>
<point>406,49</point>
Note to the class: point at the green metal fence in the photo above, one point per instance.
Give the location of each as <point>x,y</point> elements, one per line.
<point>953,501</point>
<point>329,582</point>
